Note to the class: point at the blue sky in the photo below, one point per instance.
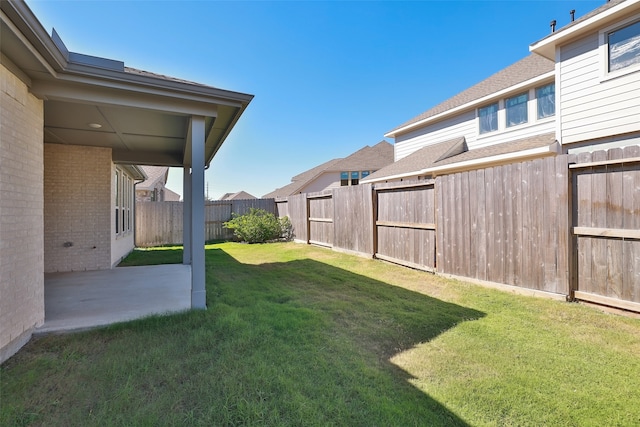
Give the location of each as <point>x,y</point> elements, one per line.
<point>329,77</point>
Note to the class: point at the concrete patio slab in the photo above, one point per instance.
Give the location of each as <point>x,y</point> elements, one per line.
<point>87,299</point>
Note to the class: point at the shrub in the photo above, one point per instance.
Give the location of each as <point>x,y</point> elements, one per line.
<point>259,226</point>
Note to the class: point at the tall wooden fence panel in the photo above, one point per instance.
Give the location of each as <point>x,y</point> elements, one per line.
<point>606,226</point>
<point>507,224</point>
<point>161,223</point>
<point>282,208</point>
<point>298,214</point>
<point>405,224</point>
<point>320,208</point>
<point>353,219</point>
<point>158,223</point>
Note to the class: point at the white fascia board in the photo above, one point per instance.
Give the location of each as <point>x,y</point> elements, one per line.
<point>473,104</point>
<point>493,160</point>
<point>475,163</point>
<point>547,46</point>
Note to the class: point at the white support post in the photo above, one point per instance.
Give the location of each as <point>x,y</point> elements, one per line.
<point>186,215</point>
<point>197,141</point>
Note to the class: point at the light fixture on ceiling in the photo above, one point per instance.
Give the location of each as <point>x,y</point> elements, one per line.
<point>95,125</point>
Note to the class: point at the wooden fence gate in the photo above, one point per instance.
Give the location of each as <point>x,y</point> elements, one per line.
<point>606,226</point>
<point>320,209</point>
<point>405,229</point>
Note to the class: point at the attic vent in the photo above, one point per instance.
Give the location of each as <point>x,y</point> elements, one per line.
<point>572,12</point>
<point>553,26</point>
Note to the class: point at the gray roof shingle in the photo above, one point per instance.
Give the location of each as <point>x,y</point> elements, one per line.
<point>455,151</point>
<point>523,70</point>
<point>367,158</point>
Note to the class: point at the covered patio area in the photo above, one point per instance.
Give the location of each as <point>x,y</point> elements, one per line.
<point>88,299</point>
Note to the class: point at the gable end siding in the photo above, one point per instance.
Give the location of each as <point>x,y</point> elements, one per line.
<point>592,106</point>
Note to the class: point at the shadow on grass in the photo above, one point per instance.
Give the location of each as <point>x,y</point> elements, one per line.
<point>291,343</point>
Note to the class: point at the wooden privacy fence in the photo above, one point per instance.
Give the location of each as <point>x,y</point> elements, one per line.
<point>606,226</point>
<point>565,225</point>
<point>160,223</point>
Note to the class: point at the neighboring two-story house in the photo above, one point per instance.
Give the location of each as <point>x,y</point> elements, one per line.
<point>153,188</point>
<point>597,73</point>
<point>338,172</point>
<point>506,117</point>
<point>578,90</point>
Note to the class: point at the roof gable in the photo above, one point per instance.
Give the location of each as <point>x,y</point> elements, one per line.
<point>434,158</point>
<point>367,158</point>
<point>155,174</point>
<point>420,159</point>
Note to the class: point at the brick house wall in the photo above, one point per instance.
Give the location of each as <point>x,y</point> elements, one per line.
<point>21,213</point>
<point>77,208</point>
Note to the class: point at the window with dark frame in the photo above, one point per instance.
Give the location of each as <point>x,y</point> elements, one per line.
<point>355,178</point>
<point>344,179</point>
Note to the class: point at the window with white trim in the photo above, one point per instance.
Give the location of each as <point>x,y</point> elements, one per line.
<point>516,109</point>
<point>546,101</point>
<point>124,192</point>
<point>488,117</point>
<point>352,177</point>
<point>623,47</point>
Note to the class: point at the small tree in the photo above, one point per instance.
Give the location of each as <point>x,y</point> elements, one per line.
<point>259,226</point>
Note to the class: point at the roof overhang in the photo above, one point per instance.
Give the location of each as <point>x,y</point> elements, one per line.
<point>143,117</point>
<point>484,162</point>
<point>547,46</point>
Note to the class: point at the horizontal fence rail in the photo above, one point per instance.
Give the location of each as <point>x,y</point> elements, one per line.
<point>161,223</point>
<point>567,225</point>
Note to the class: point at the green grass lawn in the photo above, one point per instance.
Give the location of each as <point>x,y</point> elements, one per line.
<point>301,336</point>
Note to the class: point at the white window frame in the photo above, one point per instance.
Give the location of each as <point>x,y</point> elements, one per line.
<point>124,194</point>
<point>526,109</point>
<point>489,132</point>
<point>603,48</point>
<point>537,106</point>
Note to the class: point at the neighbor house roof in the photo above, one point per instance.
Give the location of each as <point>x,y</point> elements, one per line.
<point>240,195</point>
<point>154,174</point>
<point>531,67</point>
<point>452,155</point>
<point>367,158</point>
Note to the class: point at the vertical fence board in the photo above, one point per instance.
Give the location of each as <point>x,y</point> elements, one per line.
<point>615,219</point>
<point>599,219</point>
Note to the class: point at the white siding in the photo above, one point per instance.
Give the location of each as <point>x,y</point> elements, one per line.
<point>326,181</point>
<point>461,125</point>
<point>513,134</point>
<point>466,125</point>
<point>593,106</point>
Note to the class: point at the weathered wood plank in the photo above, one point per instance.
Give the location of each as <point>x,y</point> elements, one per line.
<point>562,185</point>
<point>482,273</point>
<point>622,233</point>
<point>527,215</point>
<point>583,205</point>
<point>550,233</point>
<point>615,219</point>
<point>605,163</point>
<point>414,225</point>
<point>599,271</point>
